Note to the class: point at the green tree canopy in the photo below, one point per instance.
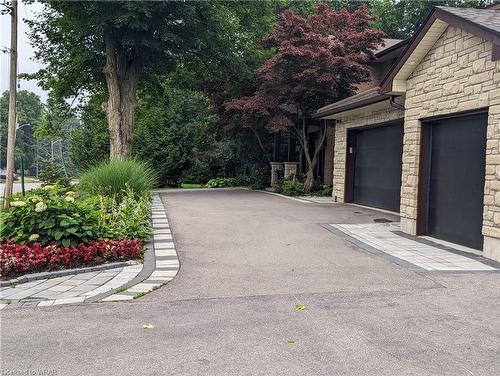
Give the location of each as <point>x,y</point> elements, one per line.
<point>86,44</point>
<point>401,18</point>
<point>30,112</point>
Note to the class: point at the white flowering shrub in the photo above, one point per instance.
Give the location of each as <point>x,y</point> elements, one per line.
<point>49,214</point>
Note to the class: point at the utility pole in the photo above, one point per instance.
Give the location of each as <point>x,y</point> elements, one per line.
<point>11,135</point>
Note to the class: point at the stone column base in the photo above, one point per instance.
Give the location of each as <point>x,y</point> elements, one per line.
<point>275,167</point>
<point>409,226</point>
<point>491,248</point>
<point>291,169</point>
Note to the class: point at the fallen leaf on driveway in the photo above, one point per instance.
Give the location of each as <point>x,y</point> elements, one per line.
<point>299,307</point>
<point>148,326</point>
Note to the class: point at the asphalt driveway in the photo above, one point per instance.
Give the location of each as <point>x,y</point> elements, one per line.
<point>247,258</point>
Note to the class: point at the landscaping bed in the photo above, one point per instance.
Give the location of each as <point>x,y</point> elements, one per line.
<point>105,218</point>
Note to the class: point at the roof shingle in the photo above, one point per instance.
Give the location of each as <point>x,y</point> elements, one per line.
<point>486,18</point>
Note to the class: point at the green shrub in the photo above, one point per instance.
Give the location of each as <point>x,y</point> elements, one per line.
<point>125,219</point>
<point>222,183</point>
<point>196,174</point>
<point>254,181</point>
<point>278,187</point>
<point>49,214</point>
<point>53,173</point>
<point>325,192</point>
<point>292,188</point>
<point>113,178</point>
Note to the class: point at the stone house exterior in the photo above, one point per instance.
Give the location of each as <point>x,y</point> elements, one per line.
<point>287,155</point>
<point>439,108</point>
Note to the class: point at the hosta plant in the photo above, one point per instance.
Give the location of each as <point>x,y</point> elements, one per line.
<point>126,218</point>
<point>222,183</point>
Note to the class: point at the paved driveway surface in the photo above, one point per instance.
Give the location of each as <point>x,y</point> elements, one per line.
<point>246,259</point>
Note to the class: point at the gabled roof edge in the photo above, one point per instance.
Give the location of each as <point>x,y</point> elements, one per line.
<point>451,19</point>
<point>390,49</point>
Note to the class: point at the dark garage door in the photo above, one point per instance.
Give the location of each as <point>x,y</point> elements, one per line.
<point>456,179</point>
<point>377,166</point>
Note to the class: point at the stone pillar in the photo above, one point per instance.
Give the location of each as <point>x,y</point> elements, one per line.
<point>329,154</point>
<point>275,167</point>
<point>291,169</point>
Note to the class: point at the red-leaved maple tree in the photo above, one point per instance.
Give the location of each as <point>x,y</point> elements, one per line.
<point>319,59</point>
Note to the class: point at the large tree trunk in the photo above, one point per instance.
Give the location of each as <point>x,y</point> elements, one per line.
<point>309,181</point>
<point>122,76</point>
<point>311,160</point>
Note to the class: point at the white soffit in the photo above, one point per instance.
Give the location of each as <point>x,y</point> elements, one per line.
<point>429,39</point>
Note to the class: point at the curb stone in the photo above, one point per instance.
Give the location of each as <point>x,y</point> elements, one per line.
<point>161,251</point>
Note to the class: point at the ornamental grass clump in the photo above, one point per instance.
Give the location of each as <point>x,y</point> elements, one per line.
<point>113,178</point>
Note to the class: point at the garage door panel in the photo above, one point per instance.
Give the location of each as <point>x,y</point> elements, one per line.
<point>377,175</point>
<point>456,181</point>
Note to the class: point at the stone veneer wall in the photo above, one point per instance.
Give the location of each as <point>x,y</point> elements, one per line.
<point>457,74</point>
<point>366,116</point>
<point>330,146</point>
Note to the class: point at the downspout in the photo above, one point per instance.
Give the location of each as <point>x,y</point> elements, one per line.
<point>395,104</point>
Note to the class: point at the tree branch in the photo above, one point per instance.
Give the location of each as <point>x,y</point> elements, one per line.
<point>254,131</point>
<point>321,142</point>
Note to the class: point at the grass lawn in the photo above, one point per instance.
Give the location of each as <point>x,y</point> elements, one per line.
<point>28,179</point>
<point>191,186</point>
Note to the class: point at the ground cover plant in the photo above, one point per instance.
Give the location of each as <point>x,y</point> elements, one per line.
<point>17,259</point>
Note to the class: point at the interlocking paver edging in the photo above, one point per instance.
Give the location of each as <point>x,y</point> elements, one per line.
<point>147,269</point>
<point>161,264</point>
<point>61,273</point>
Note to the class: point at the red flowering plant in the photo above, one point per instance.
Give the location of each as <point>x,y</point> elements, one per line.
<point>17,259</point>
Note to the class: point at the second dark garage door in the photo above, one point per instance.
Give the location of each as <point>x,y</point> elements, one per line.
<point>456,150</point>
<point>375,155</point>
